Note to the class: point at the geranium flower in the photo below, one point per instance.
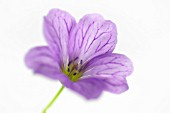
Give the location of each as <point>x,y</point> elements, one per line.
<point>80,56</point>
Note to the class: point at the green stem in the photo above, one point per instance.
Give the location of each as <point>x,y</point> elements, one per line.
<point>53,100</point>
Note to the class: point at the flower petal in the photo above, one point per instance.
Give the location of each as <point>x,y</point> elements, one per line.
<point>111,69</point>
<point>105,72</point>
<point>90,88</point>
<point>110,64</point>
<point>91,37</point>
<point>115,84</point>
<point>57,27</point>
<point>40,59</point>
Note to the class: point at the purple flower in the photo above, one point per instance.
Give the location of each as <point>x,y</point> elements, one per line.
<point>80,56</point>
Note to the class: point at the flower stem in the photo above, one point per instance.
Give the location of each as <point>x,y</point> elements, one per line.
<point>53,100</point>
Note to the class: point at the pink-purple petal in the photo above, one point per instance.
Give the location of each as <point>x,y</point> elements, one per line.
<point>57,27</point>
<point>115,85</point>
<point>91,37</point>
<point>41,61</point>
<point>90,88</point>
<point>111,70</point>
<point>110,64</point>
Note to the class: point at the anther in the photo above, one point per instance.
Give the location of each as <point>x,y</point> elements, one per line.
<point>81,62</point>
<point>69,63</point>
<point>68,70</point>
<point>74,73</point>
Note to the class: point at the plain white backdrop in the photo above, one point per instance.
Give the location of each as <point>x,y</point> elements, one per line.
<point>143,35</point>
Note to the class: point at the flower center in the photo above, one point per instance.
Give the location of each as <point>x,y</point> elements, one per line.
<point>73,70</point>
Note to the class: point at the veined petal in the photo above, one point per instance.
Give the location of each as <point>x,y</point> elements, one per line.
<point>91,37</point>
<point>110,64</point>
<point>40,60</point>
<point>57,27</point>
<point>90,88</point>
<point>116,84</point>
<point>111,70</point>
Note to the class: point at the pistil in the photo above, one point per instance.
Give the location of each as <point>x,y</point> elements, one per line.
<point>73,70</point>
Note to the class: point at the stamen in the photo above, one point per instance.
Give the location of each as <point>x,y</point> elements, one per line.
<point>74,70</point>
<point>80,69</point>
<point>81,62</point>
<point>76,58</point>
<point>72,61</point>
<point>68,70</point>
<point>69,63</point>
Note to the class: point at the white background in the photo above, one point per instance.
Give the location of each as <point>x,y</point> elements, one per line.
<point>143,35</point>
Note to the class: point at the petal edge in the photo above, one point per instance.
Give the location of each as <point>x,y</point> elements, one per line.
<point>41,61</point>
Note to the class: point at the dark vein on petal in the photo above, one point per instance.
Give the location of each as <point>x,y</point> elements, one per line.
<point>105,44</point>
<point>53,41</point>
<point>66,26</point>
<point>86,32</point>
<point>97,37</point>
<point>75,39</point>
